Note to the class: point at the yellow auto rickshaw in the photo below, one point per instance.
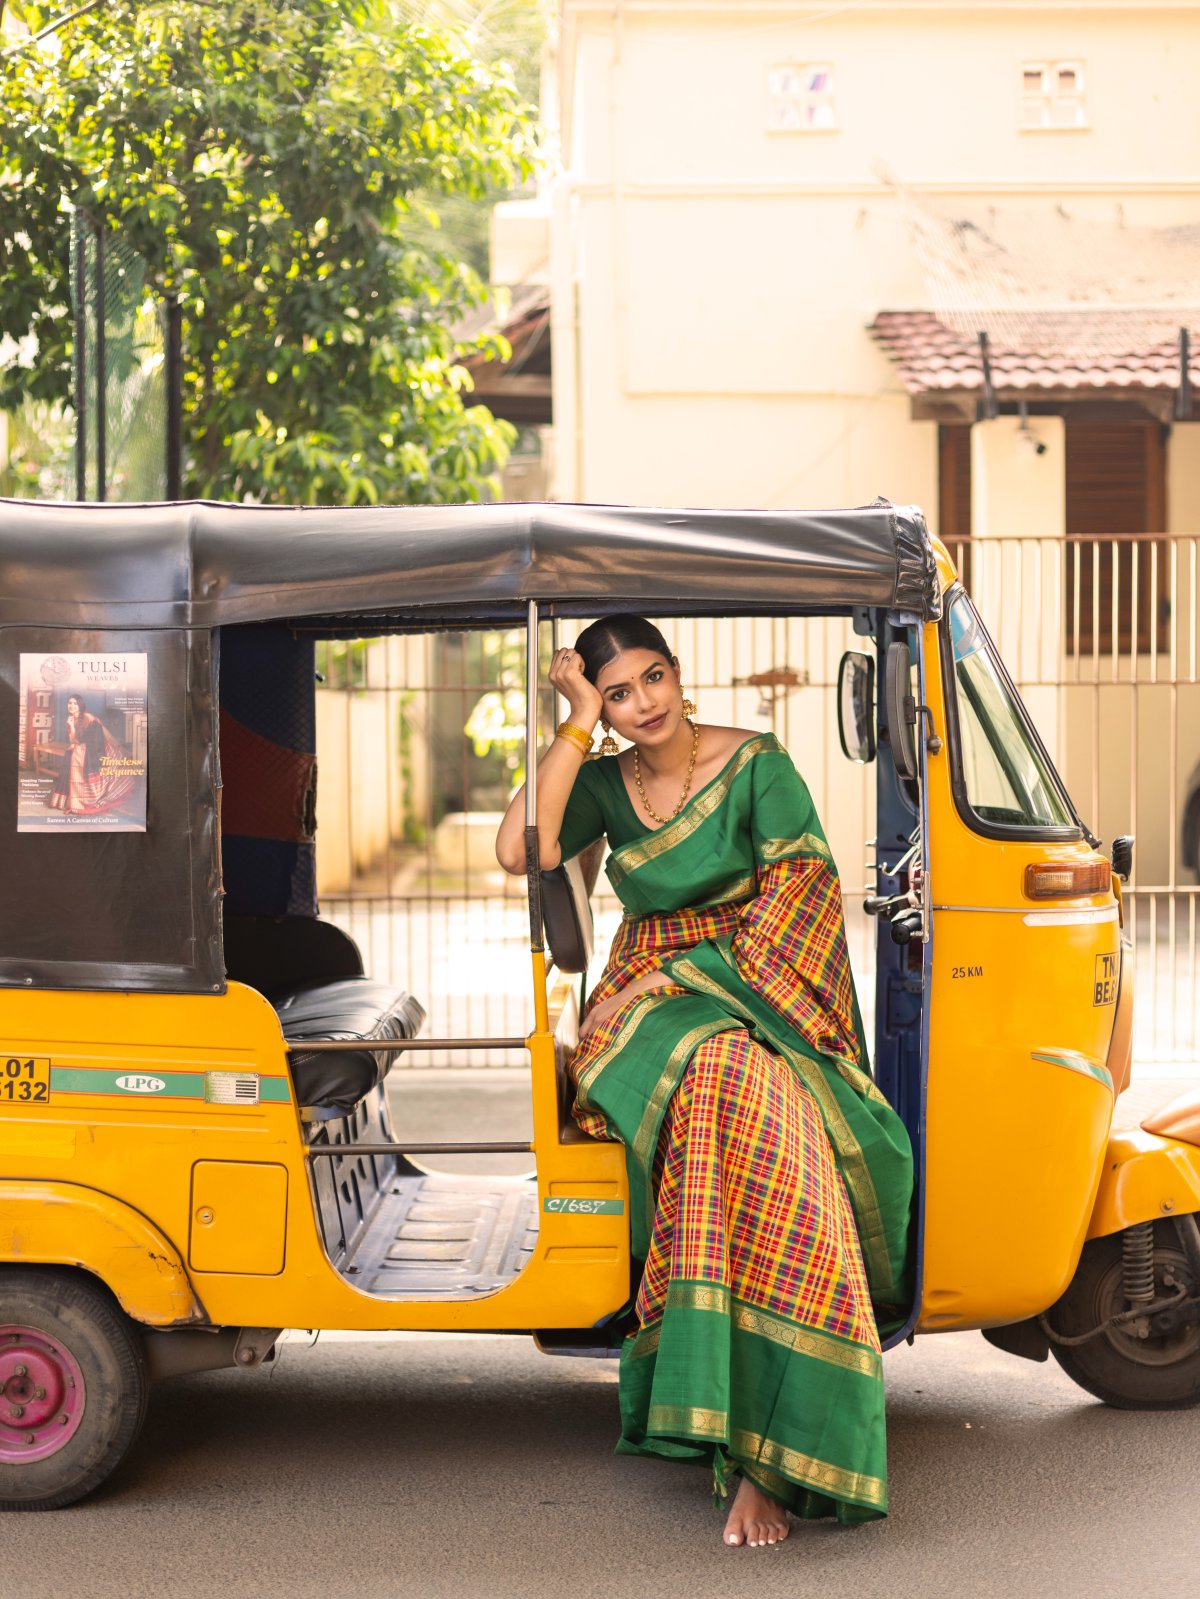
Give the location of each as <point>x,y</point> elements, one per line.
<point>196,1150</point>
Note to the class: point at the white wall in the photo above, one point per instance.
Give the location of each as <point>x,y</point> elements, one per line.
<point>713,279</point>
<point>713,282</point>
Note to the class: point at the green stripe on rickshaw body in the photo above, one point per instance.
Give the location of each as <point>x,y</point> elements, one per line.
<point>1076,1063</point>
<point>126,1084</point>
<point>150,1085</point>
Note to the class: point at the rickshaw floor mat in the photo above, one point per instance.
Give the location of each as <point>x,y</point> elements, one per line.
<point>447,1237</point>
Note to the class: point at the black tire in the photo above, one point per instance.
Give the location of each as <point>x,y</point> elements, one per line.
<point>1128,1372</point>
<point>68,1319</point>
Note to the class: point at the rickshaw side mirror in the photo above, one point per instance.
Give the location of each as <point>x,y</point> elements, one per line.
<point>1122,856</point>
<point>901,709</point>
<point>856,706</point>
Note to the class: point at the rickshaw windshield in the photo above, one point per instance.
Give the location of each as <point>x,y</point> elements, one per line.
<point>1007,777</point>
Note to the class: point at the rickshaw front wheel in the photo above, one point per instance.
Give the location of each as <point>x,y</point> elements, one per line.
<point>72,1387</point>
<point>1160,1371</point>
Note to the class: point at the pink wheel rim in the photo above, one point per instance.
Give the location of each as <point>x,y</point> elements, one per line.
<point>42,1395</point>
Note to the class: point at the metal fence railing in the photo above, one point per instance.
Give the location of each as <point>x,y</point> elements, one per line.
<point>420,739</point>
<point>1102,636</point>
<point>427,732</point>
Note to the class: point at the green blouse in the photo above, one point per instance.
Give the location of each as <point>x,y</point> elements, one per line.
<point>599,805</point>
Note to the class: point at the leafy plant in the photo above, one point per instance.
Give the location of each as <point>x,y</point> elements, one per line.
<point>269,160</point>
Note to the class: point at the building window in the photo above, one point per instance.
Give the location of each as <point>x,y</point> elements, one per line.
<point>1052,95</point>
<point>800,97</point>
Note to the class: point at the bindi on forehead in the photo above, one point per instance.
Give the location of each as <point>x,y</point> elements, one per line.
<point>606,682</point>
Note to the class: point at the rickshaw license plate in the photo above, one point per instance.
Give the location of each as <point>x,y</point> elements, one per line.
<point>25,1080</point>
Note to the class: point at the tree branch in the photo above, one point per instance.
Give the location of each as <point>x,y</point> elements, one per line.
<point>80,11</point>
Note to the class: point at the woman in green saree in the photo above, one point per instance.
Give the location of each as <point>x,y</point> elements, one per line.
<point>770,1181</point>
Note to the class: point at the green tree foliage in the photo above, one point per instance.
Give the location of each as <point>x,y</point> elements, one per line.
<point>512,32</point>
<point>267,159</point>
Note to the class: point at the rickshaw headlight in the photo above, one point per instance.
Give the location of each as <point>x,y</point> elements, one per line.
<point>1067,879</point>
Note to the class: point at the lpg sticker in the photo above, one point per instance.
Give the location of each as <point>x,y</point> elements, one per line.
<point>573,1206</point>
<point>148,1085</point>
<point>1108,977</point>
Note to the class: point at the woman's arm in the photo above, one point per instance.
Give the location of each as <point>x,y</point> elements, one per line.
<point>601,1011</point>
<point>558,767</point>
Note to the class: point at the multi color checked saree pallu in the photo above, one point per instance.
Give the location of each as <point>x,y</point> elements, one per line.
<point>770,1180</point>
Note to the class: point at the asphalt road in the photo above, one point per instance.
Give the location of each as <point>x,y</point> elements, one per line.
<point>449,1468</point>
<point>446,1467</point>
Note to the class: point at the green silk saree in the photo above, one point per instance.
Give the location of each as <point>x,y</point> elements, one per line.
<point>770,1181</point>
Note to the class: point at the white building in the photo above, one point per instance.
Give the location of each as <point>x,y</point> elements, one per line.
<point>776,235</point>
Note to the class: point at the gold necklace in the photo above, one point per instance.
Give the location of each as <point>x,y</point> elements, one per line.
<point>687,782</point>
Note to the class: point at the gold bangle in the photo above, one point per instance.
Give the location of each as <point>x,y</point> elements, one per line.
<point>575,735</point>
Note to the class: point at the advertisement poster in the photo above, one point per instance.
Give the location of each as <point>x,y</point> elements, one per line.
<point>83,735</point>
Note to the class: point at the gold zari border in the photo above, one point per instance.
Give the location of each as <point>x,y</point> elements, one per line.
<point>810,1341</point>
<point>630,856</point>
<point>638,1014</point>
<point>698,1296</point>
<point>684,1421</point>
<point>645,1140</point>
<point>645,1342</point>
<point>737,893</point>
<point>769,1481</point>
<point>778,849</point>
<point>812,1473</point>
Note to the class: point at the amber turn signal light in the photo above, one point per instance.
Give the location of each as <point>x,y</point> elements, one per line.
<point>1067,879</point>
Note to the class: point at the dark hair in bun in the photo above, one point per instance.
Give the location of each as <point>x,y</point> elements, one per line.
<point>606,638</point>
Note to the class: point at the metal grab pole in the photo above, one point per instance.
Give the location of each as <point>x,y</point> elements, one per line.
<point>533,864</point>
<point>81,396</point>
<point>101,368</point>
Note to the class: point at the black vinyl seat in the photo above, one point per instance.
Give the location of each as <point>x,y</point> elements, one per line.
<point>356,1009</point>
<point>567,914</point>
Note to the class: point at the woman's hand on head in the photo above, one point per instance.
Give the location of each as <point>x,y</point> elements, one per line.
<point>566,675</point>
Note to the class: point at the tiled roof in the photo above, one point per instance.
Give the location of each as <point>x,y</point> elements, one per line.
<point>1073,350</point>
<point>518,389</point>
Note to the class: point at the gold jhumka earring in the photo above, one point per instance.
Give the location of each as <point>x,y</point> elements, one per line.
<point>608,744</point>
<point>689,708</point>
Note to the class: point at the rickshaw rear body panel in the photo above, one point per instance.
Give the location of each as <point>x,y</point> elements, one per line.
<point>65,1224</point>
<point>221,1193</point>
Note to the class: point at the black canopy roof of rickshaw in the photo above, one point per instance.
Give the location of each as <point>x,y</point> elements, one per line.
<point>202,564</point>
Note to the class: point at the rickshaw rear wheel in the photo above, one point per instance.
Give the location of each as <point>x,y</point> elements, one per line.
<point>1158,1372</point>
<point>72,1387</point>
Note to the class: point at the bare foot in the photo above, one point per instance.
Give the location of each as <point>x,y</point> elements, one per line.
<point>755,1518</point>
